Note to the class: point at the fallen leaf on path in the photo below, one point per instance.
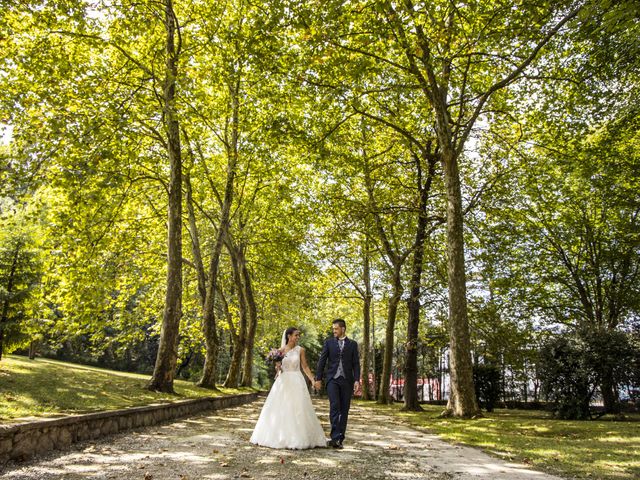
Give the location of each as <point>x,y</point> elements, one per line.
<point>224,464</point>
<point>148,476</point>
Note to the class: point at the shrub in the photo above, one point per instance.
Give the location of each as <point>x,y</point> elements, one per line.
<point>487,379</point>
<point>567,380</point>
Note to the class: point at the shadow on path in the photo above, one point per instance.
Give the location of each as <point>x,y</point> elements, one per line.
<point>216,446</point>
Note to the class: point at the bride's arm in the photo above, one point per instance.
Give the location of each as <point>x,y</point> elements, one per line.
<point>305,367</point>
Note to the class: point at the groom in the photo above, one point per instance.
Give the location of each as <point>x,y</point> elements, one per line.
<point>343,377</point>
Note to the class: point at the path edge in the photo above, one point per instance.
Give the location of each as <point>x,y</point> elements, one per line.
<point>21,441</point>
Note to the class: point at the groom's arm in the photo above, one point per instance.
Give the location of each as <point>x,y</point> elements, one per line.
<point>356,363</point>
<point>322,361</point>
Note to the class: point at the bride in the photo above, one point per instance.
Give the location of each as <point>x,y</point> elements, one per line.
<point>287,419</point>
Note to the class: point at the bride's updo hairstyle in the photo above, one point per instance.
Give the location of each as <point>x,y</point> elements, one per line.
<point>288,332</point>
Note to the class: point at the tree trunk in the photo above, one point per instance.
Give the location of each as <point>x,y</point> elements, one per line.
<point>210,368</point>
<point>164,371</point>
<point>209,371</point>
<point>207,300</point>
<point>366,328</point>
<point>396,260</point>
<point>3,321</point>
<point>233,375</point>
<point>411,401</point>
<point>384,396</point>
<point>223,311</point>
<point>4,317</point>
<point>462,400</point>
<point>185,363</point>
<point>195,243</point>
<point>247,373</point>
<point>610,397</point>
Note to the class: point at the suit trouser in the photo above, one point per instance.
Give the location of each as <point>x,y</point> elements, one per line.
<point>340,392</point>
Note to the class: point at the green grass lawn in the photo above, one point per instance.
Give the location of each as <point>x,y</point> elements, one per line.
<point>46,388</point>
<point>598,449</point>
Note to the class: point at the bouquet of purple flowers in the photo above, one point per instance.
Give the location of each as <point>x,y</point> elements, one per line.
<point>275,355</point>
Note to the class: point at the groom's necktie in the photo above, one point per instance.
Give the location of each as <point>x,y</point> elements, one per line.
<point>340,371</point>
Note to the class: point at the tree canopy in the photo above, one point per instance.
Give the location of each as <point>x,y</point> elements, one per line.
<point>183,180</point>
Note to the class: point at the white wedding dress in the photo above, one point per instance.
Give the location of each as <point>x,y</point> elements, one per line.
<point>288,419</point>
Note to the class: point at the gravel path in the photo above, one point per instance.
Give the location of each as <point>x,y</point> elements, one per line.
<point>216,446</point>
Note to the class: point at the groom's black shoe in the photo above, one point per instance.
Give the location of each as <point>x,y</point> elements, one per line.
<point>335,444</point>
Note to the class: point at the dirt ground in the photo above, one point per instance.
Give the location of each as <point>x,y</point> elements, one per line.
<point>215,445</point>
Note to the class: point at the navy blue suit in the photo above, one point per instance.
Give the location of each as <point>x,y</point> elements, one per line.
<point>339,389</point>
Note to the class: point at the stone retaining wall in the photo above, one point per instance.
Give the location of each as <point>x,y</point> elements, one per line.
<point>23,440</point>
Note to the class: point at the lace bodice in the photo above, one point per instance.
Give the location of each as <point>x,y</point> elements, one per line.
<point>291,361</point>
